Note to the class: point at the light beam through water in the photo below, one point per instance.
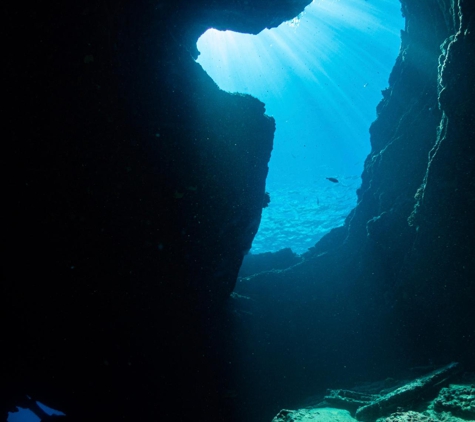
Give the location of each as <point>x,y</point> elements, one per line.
<point>320,76</point>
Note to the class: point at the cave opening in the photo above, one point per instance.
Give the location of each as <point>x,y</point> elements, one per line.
<point>320,76</point>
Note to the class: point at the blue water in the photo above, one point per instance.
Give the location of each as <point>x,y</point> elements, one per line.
<point>320,76</point>
<point>26,415</point>
<point>304,214</point>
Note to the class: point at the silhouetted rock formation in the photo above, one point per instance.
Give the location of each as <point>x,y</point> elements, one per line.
<point>137,190</point>
<point>254,264</point>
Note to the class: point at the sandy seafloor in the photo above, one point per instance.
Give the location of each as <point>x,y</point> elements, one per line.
<point>299,215</point>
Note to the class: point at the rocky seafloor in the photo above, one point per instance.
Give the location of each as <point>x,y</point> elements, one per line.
<point>444,395</point>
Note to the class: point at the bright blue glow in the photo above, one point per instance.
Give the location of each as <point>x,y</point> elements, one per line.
<point>26,415</point>
<point>23,415</point>
<point>320,76</point>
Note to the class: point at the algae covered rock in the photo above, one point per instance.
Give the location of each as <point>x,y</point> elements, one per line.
<point>409,416</point>
<point>326,414</point>
<point>458,400</point>
<point>409,394</point>
<point>349,400</point>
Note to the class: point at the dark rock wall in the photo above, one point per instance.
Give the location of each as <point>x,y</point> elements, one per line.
<point>395,286</point>
<point>442,260</point>
<point>253,264</point>
<point>135,189</point>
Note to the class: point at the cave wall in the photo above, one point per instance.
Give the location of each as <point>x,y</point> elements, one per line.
<point>394,287</point>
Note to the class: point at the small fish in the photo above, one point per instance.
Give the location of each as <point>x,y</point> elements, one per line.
<point>332,179</point>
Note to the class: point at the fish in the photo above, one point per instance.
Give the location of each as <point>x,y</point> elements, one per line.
<point>332,179</point>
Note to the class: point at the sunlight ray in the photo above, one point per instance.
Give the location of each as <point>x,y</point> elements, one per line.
<point>320,76</point>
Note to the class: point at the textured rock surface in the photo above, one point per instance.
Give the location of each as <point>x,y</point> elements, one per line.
<point>459,400</point>
<point>395,285</point>
<point>409,403</point>
<point>409,416</point>
<point>411,393</point>
<point>350,400</point>
<point>314,415</point>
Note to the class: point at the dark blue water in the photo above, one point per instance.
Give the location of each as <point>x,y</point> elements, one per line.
<point>320,76</point>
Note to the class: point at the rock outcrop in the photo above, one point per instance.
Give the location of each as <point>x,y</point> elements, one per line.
<point>457,399</point>
<point>136,189</point>
<point>412,401</point>
<point>413,392</point>
<point>395,284</point>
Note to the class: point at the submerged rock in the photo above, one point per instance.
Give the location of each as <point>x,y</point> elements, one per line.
<point>458,400</point>
<point>257,263</point>
<point>315,415</point>
<point>349,400</point>
<point>411,402</point>
<point>413,392</point>
<point>409,416</point>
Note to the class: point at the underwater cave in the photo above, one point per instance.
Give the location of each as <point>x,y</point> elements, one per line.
<point>138,187</point>
<point>320,76</point>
